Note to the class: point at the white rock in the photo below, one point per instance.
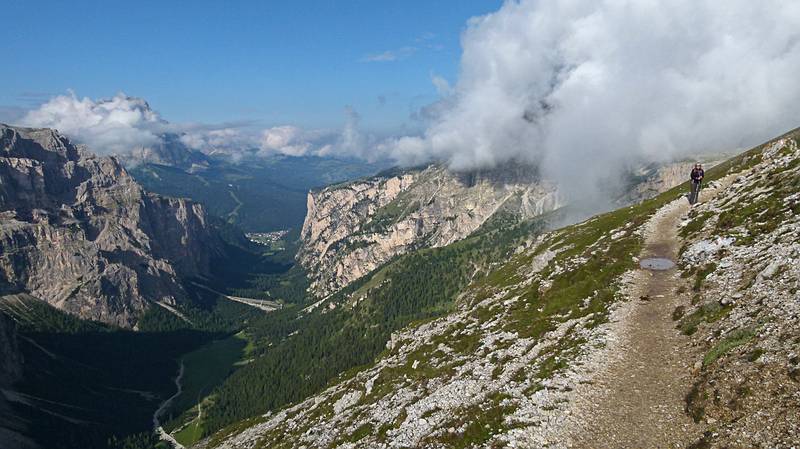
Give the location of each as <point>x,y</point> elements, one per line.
<point>769,271</point>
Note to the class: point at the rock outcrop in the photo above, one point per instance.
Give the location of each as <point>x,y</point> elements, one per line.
<point>351,229</point>
<point>78,232</point>
<point>648,181</point>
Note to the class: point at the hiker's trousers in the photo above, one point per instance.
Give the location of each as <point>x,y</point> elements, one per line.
<point>695,195</point>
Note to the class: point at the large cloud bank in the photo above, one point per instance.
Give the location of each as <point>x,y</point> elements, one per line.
<point>584,86</point>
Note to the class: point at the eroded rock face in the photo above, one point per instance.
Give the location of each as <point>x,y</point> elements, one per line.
<point>351,229</point>
<point>78,232</point>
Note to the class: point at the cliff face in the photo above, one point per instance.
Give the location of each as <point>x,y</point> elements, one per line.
<point>78,232</point>
<point>353,228</point>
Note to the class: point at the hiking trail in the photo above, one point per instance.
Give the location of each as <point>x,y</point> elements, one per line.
<point>636,398</point>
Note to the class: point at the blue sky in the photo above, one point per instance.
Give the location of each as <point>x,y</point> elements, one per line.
<point>274,62</point>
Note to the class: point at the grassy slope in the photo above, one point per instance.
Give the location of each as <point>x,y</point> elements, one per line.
<point>205,368</point>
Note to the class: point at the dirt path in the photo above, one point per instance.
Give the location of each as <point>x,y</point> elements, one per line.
<point>263,304</point>
<point>163,408</point>
<point>637,399</point>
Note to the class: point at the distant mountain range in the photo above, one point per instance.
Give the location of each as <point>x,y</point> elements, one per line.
<point>259,195</point>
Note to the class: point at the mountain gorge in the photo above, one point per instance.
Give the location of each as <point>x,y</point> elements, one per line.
<point>79,233</point>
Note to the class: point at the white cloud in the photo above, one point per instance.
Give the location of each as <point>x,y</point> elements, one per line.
<point>288,140</point>
<point>112,126</point>
<point>583,86</point>
<point>390,55</point>
<point>235,141</point>
<point>349,142</point>
<point>123,125</point>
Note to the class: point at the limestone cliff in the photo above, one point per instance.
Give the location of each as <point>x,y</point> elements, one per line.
<point>78,232</point>
<point>351,229</point>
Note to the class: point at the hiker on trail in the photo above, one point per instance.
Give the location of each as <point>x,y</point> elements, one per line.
<point>697,179</point>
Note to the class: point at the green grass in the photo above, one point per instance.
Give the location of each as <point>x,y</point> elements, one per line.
<point>732,341</point>
<point>709,312</point>
<point>698,220</point>
<point>190,434</point>
<point>481,422</point>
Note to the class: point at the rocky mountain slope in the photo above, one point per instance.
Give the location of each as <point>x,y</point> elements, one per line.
<point>353,228</point>
<point>555,339</point>
<point>78,232</point>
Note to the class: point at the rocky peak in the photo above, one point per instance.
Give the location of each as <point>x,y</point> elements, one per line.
<point>81,234</point>
<point>171,151</point>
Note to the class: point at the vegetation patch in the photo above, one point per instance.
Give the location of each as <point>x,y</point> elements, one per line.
<point>477,424</point>
<point>696,223</point>
<point>695,400</point>
<point>709,312</point>
<point>734,340</point>
<point>701,275</point>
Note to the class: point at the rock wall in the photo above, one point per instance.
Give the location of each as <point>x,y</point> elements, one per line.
<point>353,228</point>
<point>78,232</point>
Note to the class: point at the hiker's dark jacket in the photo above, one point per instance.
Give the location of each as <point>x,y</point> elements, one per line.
<point>697,174</point>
